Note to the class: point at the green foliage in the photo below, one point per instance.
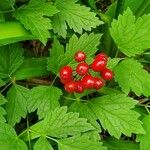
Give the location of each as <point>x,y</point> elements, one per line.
<point>36,112</point>
<point>11,59</point>
<point>114,144</point>
<point>130,34</point>
<point>32,17</point>
<point>144,139</point>
<point>76,16</point>
<point>2,110</point>
<point>9,139</point>
<point>17,102</point>
<point>43,144</point>
<point>79,143</point>
<point>43,98</point>
<point>59,123</point>
<point>131,76</point>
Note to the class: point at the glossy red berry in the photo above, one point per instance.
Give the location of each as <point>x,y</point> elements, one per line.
<point>88,81</point>
<point>82,68</point>
<point>79,87</point>
<point>98,83</point>
<point>98,65</point>
<point>66,73</point>
<point>101,55</point>
<point>80,56</point>
<point>70,87</point>
<point>64,81</point>
<point>107,74</point>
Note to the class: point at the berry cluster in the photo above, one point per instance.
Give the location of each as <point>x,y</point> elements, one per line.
<point>85,81</point>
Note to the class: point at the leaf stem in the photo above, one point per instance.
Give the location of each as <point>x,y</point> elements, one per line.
<point>6,87</point>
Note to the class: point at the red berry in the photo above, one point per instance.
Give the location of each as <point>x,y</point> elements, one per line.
<point>107,74</point>
<point>98,83</point>
<point>64,81</point>
<point>80,56</point>
<point>70,87</point>
<point>82,68</point>
<point>98,65</point>
<point>101,55</point>
<point>88,81</point>
<point>66,72</point>
<point>79,87</point>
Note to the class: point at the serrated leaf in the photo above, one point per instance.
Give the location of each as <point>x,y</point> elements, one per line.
<point>11,59</point>
<point>115,144</point>
<point>17,102</point>
<point>80,143</point>
<point>2,110</point>
<point>131,35</point>
<point>32,16</point>
<point>86,112</point>
<point>86,43</point>
<point>76,16</point>
<point>43,144</point>
<point>9,139</point>
<point>131,76</point>
<point>116,115</point>
<point>44,99</point>
<point>59,123</point>
<point>144,139</point>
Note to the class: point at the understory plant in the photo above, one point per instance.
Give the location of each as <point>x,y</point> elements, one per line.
<point>74,75</point>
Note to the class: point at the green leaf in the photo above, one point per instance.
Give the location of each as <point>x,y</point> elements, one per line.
<point>17,102</point>
<point>86,112</point>
<point>112,63</point>
<point>79,143</point>
<point>43,98</point>
<point>32,67</point>
<point>131,35</point>
<point>57,48</point>
<point>9,139</point>
<point>86,43</point>
<point>11,59</point>
<point>2,83</point>
<point>116,115</point>
<point>32,16</point>
<point>6,4</point>
<point>2,110</point>
<point>59,123</point>
<point>76,16</point>
<point>43,144</point>
<point>115,144</point>
<point>144,139</point>
<point>131,76</point>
